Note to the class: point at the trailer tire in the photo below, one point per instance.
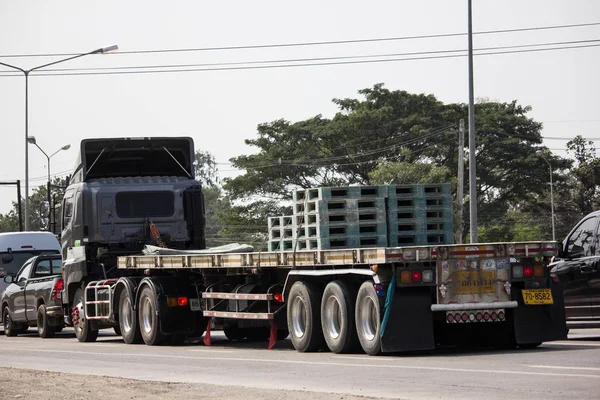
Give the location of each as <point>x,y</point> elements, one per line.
<point>44,329</point>
<point>83,329</point>
<point>368,319</point>
<point>129,327</point>
<point>337,317</point>
<point>526,346</point>
<point>304,324</point>
<point>148,317</point>
<point>11,329</point>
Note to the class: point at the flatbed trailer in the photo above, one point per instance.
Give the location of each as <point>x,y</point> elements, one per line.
<point>378,299</point>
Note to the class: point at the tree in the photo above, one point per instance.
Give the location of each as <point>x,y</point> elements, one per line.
<point>392,137</point>
<point>586,193</point>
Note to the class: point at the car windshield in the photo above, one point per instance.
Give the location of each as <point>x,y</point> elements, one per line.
<point>10,263</point>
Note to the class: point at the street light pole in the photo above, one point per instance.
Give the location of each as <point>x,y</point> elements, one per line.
<point>539,153</point>
<point>472,139</point>
<point>31,139</point>
<point>26,73</point>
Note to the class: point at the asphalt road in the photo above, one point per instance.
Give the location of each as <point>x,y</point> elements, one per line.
<point>556,370</point>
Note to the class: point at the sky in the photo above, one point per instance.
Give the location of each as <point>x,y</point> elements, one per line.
<point>220,106</point>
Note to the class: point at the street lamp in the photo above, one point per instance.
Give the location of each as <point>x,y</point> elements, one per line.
<point>26,72</point>
<point>540,153</point>
<point>31,140</point>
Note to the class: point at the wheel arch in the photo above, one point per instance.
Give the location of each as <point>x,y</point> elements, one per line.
<point>128,284</point>
<point>323,277</point>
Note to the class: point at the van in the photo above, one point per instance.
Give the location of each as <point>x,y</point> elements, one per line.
<point>18,247</point>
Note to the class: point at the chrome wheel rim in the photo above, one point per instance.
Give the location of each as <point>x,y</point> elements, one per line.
<point>147,311</point>
<point>333,317</point>
<point>298,317</point>
<point>126,315</point>
<point>368,318</point>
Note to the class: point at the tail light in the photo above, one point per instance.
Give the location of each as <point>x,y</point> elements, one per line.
<point>278,297</point>
<point>58,287</point>
<point>182,301</point>
<point>416,276</point>
<point>527,271</point>
<point>538,271</point>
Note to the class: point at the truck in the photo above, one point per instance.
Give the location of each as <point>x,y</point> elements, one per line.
<point>134,259</point>
<point>32,297</point>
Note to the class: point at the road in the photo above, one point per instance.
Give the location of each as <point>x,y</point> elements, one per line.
<point>556,370</point>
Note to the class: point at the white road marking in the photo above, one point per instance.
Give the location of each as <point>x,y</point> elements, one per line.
<point>565,367</point>
<point>314,362</point>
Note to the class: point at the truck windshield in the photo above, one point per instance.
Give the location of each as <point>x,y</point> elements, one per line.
<point>10,263</point>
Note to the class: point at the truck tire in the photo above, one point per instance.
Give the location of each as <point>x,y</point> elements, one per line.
<point>368,319</point>
<point>11,329</point>
<point>304,323</point>
<point>44,330</point>
<point>337,317</point>
<point>83,329</point>
<point>148,317</point>
<point>128,322</point>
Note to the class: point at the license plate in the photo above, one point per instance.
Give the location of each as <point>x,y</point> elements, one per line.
<point>195,304</point>
<point>537,296</point>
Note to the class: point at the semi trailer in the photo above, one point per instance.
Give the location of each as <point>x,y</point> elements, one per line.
<point>128,193</point>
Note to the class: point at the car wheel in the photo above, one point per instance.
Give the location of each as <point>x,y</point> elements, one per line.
<point>83,329</point>
<point>44,329</point>
<point>10,328</point>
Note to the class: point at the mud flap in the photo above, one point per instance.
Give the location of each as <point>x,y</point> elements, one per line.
<point>410,323</point>
<point>535,324</point>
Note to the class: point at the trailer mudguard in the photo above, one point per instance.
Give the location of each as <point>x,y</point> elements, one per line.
<point>536,324</point>
<point>409,326</point>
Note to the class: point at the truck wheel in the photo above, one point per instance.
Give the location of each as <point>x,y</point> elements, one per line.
<point>128,322</point>
<point>148,317</point>
<point>83,329</point>
<point>368,319</point>
<point>337,317</point>
<point>304,324</point>
<point>10,328</point>
<point>529,345</point>
<point>44,330</point>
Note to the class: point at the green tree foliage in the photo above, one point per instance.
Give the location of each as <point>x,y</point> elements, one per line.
<point>586,193</point>
<point>9,222</point>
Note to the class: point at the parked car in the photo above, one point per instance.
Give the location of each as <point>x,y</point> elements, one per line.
<point>578,269</point>
<point>33,297</point>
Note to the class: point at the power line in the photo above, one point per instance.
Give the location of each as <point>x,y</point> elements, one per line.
<point>259,67</point>
<point>320,43</point>
<point>314,59</point>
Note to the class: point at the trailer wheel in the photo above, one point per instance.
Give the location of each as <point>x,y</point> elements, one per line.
<point>10,328</point>
<point>83,329</point>
<point>128,322</point>
<point>44,330</point>
<point>304,324</point>
<point>529,345</point>
<point>148,317</point>
<point>337,317</point>
<point>368,319</point>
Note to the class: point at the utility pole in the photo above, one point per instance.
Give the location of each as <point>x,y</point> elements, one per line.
<point>461,179</point>
<point>472,142</point>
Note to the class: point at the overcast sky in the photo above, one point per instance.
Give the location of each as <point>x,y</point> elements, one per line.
<point>220,108</point>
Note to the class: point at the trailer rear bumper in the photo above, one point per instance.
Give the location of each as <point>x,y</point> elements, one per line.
<point>474,306</point>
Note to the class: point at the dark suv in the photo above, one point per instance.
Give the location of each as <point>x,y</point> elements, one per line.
<point>578,268</point>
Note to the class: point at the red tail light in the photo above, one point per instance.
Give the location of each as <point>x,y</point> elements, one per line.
<point>416,276</point>
<point>278,297</point>
<point>182,301</point>
<point>527,271</point>
<point>58,287</point>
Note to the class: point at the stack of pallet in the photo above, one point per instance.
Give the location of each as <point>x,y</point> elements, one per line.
<point>365,216</point>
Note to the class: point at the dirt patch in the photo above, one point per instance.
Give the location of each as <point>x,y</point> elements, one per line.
<point>43,385</point>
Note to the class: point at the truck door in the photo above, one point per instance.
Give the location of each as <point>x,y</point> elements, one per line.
<point>17,302</point>
<point>573,273</point>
